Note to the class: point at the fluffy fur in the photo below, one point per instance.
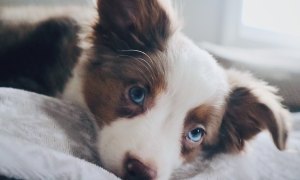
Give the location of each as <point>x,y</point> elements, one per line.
<point>138,43</point>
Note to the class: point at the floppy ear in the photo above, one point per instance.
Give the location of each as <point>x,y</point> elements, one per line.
<point>252,106</point>
<point>132,24</point>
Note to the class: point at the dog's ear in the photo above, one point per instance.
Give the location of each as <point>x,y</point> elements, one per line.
<point>132,24</point>
<point>252,106</point>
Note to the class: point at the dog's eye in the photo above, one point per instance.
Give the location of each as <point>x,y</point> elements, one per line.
<point>196,134</point>
<point>137,94</point>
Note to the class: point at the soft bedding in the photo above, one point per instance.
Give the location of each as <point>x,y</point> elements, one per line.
<point>45,138</point>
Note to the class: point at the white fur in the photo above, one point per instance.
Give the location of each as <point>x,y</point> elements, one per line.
<point>193,78</point>
<point>73,89</point>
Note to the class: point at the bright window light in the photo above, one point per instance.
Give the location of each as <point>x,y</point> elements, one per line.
<point>280,16</point>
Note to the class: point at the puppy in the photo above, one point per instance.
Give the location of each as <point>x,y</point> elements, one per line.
<point>161,103</point>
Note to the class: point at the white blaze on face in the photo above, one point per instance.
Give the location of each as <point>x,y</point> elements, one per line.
<point>193,78</point>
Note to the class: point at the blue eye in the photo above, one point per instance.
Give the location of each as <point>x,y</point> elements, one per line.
<point>137,94</point>
<point>196,134</point>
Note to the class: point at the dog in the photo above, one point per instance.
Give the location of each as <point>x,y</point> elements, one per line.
<point>161,102</point>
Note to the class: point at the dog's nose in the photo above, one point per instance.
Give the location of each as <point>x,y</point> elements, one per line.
<point>136,170</point>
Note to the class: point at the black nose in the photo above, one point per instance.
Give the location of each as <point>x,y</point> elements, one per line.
<point>136,170</point>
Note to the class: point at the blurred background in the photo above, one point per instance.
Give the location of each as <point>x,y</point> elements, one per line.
<point>246,23</point>
<point>260,36</point>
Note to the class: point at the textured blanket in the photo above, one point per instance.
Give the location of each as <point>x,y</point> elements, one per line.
<point>45,138</point>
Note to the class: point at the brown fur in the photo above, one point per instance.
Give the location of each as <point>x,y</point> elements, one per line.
<point>197,116</point>
<point>135,24</point>
<point>207,116</point>
<point>106,88</point>
<point>126,52</point>
<point>244,117</point>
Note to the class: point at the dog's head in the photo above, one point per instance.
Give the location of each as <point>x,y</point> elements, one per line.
<point>162,102</point>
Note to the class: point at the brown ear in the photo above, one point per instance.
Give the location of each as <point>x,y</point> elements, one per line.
<point>252,106</point>
<point>132,24</point>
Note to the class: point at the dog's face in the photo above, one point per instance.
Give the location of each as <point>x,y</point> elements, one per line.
<point>160,101</point>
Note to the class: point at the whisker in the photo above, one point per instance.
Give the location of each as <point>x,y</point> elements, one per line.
<point>156,67</point>
<point>134,50</point>
<point>140,60</point>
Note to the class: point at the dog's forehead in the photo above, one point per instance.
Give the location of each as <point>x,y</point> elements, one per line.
<point>192,75</point>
